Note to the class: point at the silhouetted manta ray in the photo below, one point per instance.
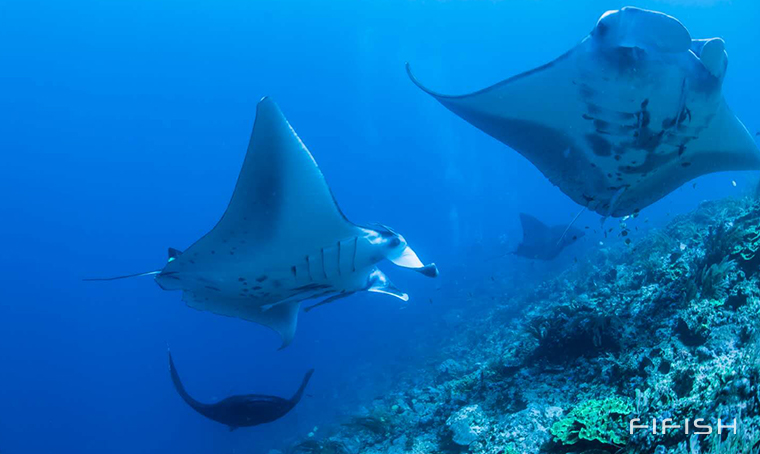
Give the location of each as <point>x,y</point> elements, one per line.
<point>282,240</point>
<point>622,119</point>
<point>542,242</point>
<point>241,411</point>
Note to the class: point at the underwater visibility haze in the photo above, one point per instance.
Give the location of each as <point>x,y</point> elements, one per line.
<point>594,267</point>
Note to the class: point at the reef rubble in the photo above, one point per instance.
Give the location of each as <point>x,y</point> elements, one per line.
<point>664,327</point>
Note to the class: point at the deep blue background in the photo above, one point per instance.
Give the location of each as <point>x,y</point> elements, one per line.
<point>123,125</point>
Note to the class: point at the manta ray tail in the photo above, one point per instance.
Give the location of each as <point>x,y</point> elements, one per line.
<point>570,225</point>
<point>127,276</point>
<point>180,388</point>
<point>297,396</point>
<point>173,254</point>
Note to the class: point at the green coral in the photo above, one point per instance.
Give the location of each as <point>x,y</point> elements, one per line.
<point>599,421</point>
<point>748,248</point>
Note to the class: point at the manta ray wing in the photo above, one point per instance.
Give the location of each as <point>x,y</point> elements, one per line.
<point>625,117</point>
<point>281,205</point>
<point>282,318</point>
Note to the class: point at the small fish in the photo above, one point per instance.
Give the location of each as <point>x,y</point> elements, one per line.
<point>733,182</point>
<point>627,241</point>
<point>694,185</point>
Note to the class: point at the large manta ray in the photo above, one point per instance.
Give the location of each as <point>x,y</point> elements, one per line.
<point>282,240</point>
<point>622,119</point>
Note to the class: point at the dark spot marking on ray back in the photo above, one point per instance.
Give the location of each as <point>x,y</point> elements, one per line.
<point>311,287</point>
<point>213,252</point>
<point>586,91</point>
<point>211,287</point>
<point>601,125</point>
<point>587,117</point>
<point>685,164</point>
<point>668,123</point>
<point>293,271</point>
<point>685,113</point>
<point>241,279</point>
<point>599,145</point>
<point>257,287</point>
<point>261,278</point>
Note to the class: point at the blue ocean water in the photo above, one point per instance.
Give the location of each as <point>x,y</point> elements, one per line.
<point>123,126</point>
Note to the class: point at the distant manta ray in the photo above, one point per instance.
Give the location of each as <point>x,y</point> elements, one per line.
<point>621,120</point>
<point>241,411</point>
<point>282,240</point>
<point>541,242</point>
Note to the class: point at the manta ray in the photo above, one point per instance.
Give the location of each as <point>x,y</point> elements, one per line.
<point>542,242</point>
<point>282,240</point>
<point>241,411</point>
<point>622,119</point>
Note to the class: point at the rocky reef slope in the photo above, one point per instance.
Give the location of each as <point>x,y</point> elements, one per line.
<point>663,327</point>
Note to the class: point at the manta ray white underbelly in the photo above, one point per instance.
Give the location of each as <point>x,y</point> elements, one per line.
<point>622,119</point>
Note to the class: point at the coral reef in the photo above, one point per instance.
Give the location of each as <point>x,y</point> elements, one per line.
<point>664,328</point>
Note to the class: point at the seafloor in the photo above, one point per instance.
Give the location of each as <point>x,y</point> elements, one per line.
<point>663,327</point>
